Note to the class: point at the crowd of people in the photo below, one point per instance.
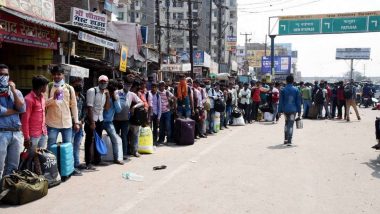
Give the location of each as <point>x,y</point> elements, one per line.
<point>120,107</point>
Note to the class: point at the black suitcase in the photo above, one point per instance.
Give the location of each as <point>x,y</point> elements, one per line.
<point>184,131</point>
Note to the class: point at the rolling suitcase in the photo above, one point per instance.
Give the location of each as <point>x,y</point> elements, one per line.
<point>313,112</point>
<point>65,158</point>
<point>184,133</point>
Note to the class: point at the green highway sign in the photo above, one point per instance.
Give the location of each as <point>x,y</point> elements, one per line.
<point>374,24</point>
<point>330,23</point>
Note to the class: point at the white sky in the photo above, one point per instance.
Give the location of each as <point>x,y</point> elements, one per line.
<point>316,53</point>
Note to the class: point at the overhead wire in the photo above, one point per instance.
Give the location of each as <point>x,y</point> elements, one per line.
<point>280,9</point>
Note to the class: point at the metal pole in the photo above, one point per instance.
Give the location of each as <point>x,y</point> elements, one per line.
<point>158,32</point>
<point>272,55</point>
<point>219,33</point>
<point>191,37</point>
<point>352,69</point>
<point>167,25</point>
<point>210,30</point>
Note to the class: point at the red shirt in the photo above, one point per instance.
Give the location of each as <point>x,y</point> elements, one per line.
<point>340,93</point>
<point>33,120</point>
<point>256,95</point>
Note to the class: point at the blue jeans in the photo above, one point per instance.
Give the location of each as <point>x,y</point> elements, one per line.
<point>53,135</point>
<point>122,128</point>
<point>165,126</point>
<point>135,134</point>
<point>289,123</point>
<point>210,118</point>
<point>228,120</point>
<point>111,131</point>
<point>275,111</point>
<point>77,140</point>
<point>10,149</point>
<point>306,107</point>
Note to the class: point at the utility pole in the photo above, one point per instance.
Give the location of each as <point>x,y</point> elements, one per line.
<point>158,31</point>
<point>167,25</point>
<point>272,55</point>
<point>190,21</point>
<point>219,33</point>
<point>352,69</point>
<point>210,30</point>
<point>245,45</point>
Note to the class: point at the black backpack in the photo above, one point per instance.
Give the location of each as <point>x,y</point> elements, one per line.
<point>348,92</point>
<point>319,99</point>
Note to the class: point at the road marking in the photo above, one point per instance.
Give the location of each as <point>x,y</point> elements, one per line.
<point>138,198</point>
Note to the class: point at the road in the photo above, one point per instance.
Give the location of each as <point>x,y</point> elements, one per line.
<point>331,169</point>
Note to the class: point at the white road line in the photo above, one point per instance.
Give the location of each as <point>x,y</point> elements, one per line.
<point>140,197</point>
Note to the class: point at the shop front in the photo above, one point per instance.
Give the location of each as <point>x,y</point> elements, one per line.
<point>28,45</point>
<point>202,64</point>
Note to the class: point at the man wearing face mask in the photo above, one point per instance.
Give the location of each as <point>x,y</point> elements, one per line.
<point>213,95</point>
<point>98,100</point>
<point>121,120</point>
<point>12,104</point>
<point>61,108</point>
<point>78,135</point>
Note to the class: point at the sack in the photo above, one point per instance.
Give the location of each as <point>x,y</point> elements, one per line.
<point>139,117</point>
<point>146,141</point>
<point>238,121</point>
<point>49,167</point>
<point>219,106</point>
<point>236,113</point>
<point>107,140</point>
<point>268,116</point>
<point>319,99</point>
<point>101,147</point>
<point>22,187</point>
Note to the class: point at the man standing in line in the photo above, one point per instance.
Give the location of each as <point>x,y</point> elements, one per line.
<point>61,108</point>
<point>306,99</point>
<point>275,100</point>
<point>12,104</point>
<point>244,95</point>
<point>97,99</point>
<point>167,104</point>
<point>350,95</point>
<point>290,105</point>
<point>211,114</point>
<point>155,113</point>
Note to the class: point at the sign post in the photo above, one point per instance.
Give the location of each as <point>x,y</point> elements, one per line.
<point>352,54</point>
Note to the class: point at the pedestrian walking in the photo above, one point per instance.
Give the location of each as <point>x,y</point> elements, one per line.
<point>290,105</point>
<point>350,95</point>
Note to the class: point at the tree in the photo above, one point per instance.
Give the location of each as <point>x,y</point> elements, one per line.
<point>357,76</point>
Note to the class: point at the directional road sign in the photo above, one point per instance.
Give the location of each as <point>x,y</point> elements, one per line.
<point>330,23</point>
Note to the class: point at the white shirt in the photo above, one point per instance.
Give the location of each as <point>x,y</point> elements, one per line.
<point>96,101</point>
<point>247,93</point>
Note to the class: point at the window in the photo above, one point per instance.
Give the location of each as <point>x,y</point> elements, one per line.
<point>178,16</point>
<point>232,15</point>
<point>144,17</point>
<point>215,26</point>
<point>177,3</point>
<point>195,15</point>
<point>120,16</point>
<point>215,13</point>
<point>137,15</point>
<point>136,3</point>
<point>195,6</point>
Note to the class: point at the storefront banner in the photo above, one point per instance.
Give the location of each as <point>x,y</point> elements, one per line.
<point>123,58</point>
<point>76,71</point>
<point>176,67</point>
<point>43,9</point>
<point>89,20</point>
<point>96,40</point>
<point>17,31</point>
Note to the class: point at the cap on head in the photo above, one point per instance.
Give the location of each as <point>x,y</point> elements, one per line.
<point>103,78</point>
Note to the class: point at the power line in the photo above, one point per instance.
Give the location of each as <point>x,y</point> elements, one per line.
<point>281,9</point>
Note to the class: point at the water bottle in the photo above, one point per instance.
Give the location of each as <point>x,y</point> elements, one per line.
<point>132,176</point>
<point>59,96</point>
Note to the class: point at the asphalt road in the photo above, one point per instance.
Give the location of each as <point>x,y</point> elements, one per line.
<point>331,169</point>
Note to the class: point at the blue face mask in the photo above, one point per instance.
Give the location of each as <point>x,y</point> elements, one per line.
<point>208,86</point>
<point>60,83</point>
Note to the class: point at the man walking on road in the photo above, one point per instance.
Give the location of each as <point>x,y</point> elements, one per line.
<point>290,105</point>
<point>350,95</point>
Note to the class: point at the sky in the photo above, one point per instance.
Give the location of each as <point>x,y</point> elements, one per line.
<point>316,53</point>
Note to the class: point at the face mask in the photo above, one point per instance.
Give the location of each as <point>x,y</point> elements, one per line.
<point>103,86</point>
<point>4,81</point>
<point>78,88</point>
<point>208,86</point>
<point>60,83</point>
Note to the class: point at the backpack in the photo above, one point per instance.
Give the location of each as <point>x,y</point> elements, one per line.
<point>348,93</point>
<point>319,99</point>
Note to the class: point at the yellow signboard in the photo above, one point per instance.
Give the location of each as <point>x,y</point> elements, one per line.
<point>123,58</point>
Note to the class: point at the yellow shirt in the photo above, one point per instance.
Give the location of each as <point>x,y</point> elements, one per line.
<point>60,114</point>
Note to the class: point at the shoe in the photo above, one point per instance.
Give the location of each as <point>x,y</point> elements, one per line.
<point>137,155</point>
<point>289,144</point>
<point>81,166</point>
<point>274,122</point>
<point>118,162</point>
<point>102,163</point>
<point>377,147</point>
<point>197,138</point>
<point>90,167</point>
<point>226,127</point>
<point>221,129</point>
<point>348,119</point>
<point>285,142</point>
<point>359,118</point>
<point>77,172</point>
<point>125,157</point>
<point>203,136</point>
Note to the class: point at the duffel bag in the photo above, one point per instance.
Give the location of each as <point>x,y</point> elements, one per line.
<point>49,167</point>
<point>23,187</point>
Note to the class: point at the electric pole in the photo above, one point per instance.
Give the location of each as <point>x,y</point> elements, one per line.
<point>167,25</point>
<point>219,33</point>
<point>158,31</point>
<point>245,46</point>
<point>210,30</point>
<point>190,21</point>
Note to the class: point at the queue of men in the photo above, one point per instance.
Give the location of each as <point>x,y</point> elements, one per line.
<point>121,107</point>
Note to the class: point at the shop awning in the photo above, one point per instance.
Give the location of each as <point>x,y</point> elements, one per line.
<point>31,19</point>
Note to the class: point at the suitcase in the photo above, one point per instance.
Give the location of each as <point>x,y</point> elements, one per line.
<point>184,131</point>
<point>109,157</point>
<point>65,158</point>
<point>313,112</point>
<point>146,141</point>
<point>377,128</point>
